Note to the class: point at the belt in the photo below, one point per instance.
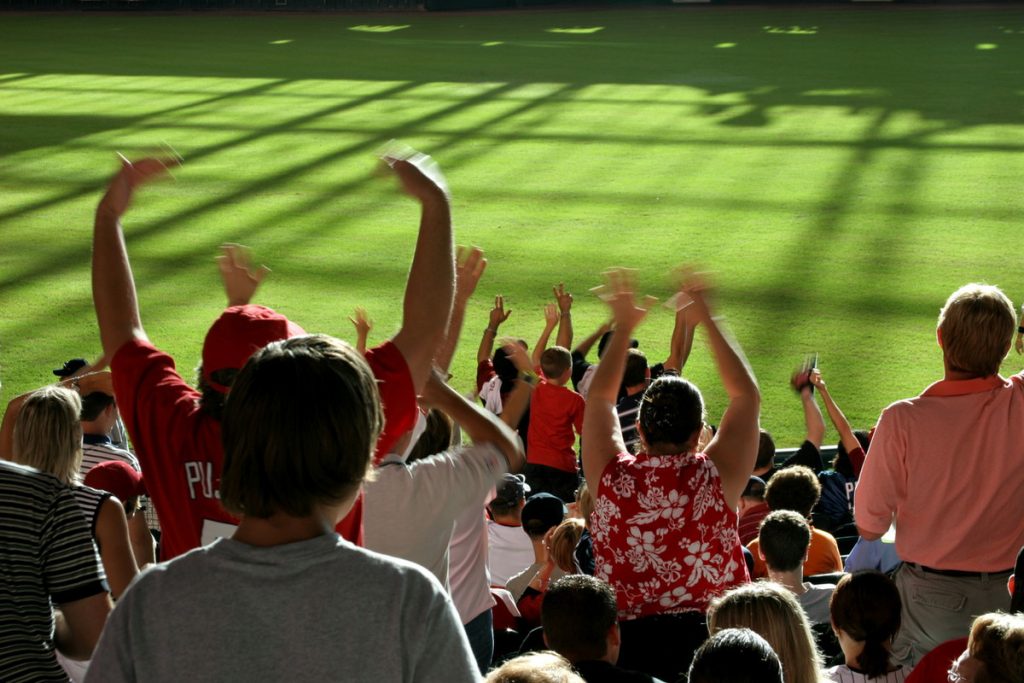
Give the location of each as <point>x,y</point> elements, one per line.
<point>957,573</point>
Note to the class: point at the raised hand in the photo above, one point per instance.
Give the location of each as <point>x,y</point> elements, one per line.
<point>517,354</point>
<point>696,286</point>
<point>563,297</point>
<point>498,314</point>
<point>419,174</point>
<point>362,323</point>
<point>240,280</point>
<point>469,268</point>
<point>620,296</point>
<point>124,183</point>
<point>550,315</point>
<point>816,379</point>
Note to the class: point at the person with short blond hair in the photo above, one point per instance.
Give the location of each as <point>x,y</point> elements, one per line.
<point>945,468</point>
<point>535,667</point>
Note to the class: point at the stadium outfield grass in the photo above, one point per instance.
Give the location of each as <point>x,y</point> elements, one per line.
<point>842,169</point>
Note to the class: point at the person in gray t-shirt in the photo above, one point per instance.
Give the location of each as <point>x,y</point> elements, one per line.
<point>286,598</point>
<point>785,538</point>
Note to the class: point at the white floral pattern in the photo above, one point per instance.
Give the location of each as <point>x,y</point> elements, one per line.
<point>663,535</point>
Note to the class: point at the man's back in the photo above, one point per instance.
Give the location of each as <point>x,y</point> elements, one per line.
<point>320,609</point>
<point>950,465</point>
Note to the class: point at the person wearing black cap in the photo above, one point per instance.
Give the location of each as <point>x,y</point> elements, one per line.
<point>542,513</point>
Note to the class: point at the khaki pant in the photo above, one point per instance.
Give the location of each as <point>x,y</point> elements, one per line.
<point>937,608</point>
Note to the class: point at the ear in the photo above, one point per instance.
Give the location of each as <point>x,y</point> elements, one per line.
<point>614,635</point>
<point>760,553</point>
<point>938,337</point>
<point>546,643</point>
<point>1011,583</point>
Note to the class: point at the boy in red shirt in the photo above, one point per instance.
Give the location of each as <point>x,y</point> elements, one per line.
<point>556,417</point>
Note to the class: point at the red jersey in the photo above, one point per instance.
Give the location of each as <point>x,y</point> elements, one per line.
<point>664,536</point>
<point>179,446</point>
<point>555,412</point>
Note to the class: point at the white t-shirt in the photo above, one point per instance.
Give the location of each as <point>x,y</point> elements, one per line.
<point>844,674</point>
<point>467,564</point>
<point>409,510</point>
<point>509,552</point>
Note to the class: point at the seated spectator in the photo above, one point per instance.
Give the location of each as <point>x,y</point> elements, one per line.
<point>99,418</point>
<point>736,655</point>
<point>580,620</point>
<point>753,509</point>
<point>796,488</point>
<point>635,379</point>
<point>556,417</point>
<point>176,429</point>
<point>783,546</point>
<point>995,651</point>
<point>542,515</point>
<point>535,667</point>
<point>866,617</point>
<point>585,548</point>
<point>648,507</point>
<point>300,426</point>
<point>773,612</point>
<point>48,437</point>
<point>509,548</point>
<point>838,484</point>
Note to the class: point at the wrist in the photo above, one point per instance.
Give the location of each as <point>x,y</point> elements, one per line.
<point>492,330</point>
<point>528,377</point>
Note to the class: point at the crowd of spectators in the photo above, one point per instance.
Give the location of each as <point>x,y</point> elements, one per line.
<point>318,510</point>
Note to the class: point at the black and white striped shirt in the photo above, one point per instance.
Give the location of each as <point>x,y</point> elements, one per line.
<point>46,552</point>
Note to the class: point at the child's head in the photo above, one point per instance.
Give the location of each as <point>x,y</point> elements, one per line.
<point>774,613</point>
<point>784,539</point>
<point>793,488</point>
<point>976,328</point>
<point>556,362</point>
<point>637,372</point>
<point>299,428</point>
<point>866,608</point>
<point>48,433</point>
<point>996,642</point>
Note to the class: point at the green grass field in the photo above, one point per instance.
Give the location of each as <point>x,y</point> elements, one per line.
<point>842,169</point>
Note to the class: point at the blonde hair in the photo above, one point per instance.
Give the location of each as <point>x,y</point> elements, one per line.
<point>535,667</point>
<point>976,326</point>
<point>48,433</point>
<point>772,612</point>
<point>997,641</point>
<point>584,503</point>
<point>564,540</point>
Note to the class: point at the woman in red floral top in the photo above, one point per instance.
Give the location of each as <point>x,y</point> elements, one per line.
<point>664,523</point>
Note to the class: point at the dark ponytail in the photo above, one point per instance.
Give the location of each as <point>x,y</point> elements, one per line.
<point>866,605</point>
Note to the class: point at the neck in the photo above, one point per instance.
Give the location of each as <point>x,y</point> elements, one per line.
<point>668,449</point>
<point>792,580</point>
<point>280,528</point>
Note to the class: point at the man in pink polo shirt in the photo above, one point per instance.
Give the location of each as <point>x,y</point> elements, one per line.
<point>947,467</point>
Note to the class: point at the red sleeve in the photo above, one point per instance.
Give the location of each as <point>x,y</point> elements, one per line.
<point>397,395</point>
<point>856,461</point>
<point>577,418</point>
<point>351,528</point>
<point>484,372</point>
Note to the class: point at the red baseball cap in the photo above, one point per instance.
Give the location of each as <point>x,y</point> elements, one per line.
<point>117,477</point>
<point>239,332</point>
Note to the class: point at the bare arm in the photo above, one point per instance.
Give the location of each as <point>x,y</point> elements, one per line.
<point>7,426</point>
<point>836,415</point>
<point>550,320</point>
<point>564,298</point>
<point>583,348</point>
<point>363,326</point>
<point>602,434</point>
<point>115,546</point>
<point>143,543</point>
<point>470,266</point>
<point>431,284</point>
<point>682,340</point>
<point>812,418</point>
<point>734,448</point>
<point>481,425</point>
<point>79,624</point>
<point>495,318</point>
<point>113,287</point>
<point>240,280</point>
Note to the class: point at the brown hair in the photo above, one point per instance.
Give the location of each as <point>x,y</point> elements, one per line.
<point>997,641</point>
<point>636,368</point>
<point>976,326</point>
<point>866,606</point>
<point>48,433</point>
<point>765,450</point>
<point>300,425</point>
<point>564,540</point>
<point>577,613</point>
<point>774,613</point>
<point>671,412</point>
<point>793,488</point>
<point>784,537</point>
<point>555,361</point>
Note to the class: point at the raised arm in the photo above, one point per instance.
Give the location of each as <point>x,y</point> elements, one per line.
<point>583,348</point>
<point>431,284</point>
<point>812,417</point>
<point>564,298</point>
<point>836,415</point>
<point>515,405</point>
<point>479,424</point>
<point>495,318</point>
<point>550,320</point>
<point>682,340</point>
<point>236,271</point>
<point>363,326</point>
<point>734,448</point>
<point>602,435</point>
<point>469,268</point>
<point>113,287</point>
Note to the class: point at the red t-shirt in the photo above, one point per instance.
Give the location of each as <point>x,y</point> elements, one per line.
<point>664,537</point>
<point>554,413</point>
<point>179,446</point>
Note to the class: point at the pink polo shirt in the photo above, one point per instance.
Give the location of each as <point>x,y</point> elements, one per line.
<point>948,467</point>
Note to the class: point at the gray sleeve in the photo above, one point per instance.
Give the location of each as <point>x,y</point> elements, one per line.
<point>443,653</point>
<point>112,660</point>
